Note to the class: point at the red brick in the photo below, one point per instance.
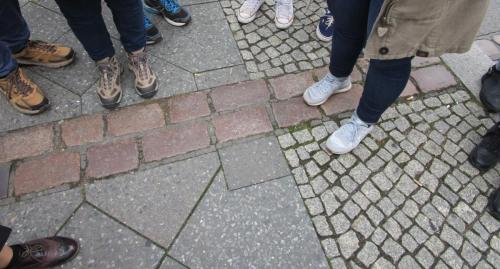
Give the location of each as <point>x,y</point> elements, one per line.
<point>355,75</point>
<point>294,111</point>
<point>238,95</point>
<point>135,119</point>
<point>409,90</point>
<point>48,172</point>
<point>433,78</point>
<point>246,122</point>
<point>114,158</point>
<point>291,85</point>
<point>424,61</point>
<point>26,143</point>
<point>176,140</point>
<point>343,101</point>
<point>83,130</point>
<point>188,107</point>
<point>489,48</point>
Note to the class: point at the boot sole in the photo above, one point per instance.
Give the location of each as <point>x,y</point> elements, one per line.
<point>322,37</point>
<point>281,25</point>
<point>174,23</point>
<point>148,95</point>
<point>30,112</point>
<point>49,65</point>
<point>323,101</point>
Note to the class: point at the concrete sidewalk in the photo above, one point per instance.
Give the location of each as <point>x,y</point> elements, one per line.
<point>226,167</point>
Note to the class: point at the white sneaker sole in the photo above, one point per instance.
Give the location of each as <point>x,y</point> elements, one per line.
<point>171,22</point>
<point>326,99</point>
<point>321,36</point>
<point>283,25</point>
<point>249,19</point>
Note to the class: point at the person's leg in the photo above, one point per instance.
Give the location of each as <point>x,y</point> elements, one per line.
<point>128,16</point>
<point>385,81</point>
<point>85,19</point>
<point>13,28</point>
<point>5,251</point>
<point>7,62</point>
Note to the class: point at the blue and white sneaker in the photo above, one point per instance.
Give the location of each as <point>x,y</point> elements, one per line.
<point>324,31</point>
<point>153,36</point>
<point>170,10</point>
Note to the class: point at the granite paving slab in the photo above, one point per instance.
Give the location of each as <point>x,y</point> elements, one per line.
<point>64,104</point>
<point>106,243</point>
<point>205,44</point>
<point>156,202</point>
<point>252,162</point>
<point>223,76</point>
<point>4,179</point>
<point>477,64</point>
<point>44,24</point>
<point>170,263</point>
<point>491,22</point>
<point>263,226</point>
<point>172,81</point>
<point>41,216</point>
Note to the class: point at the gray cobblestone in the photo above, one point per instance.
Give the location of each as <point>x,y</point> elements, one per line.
<point>306,191</point>
<point>362,225</point>
<point>361,200</point>
<point>314,206</point>
<point>319,184</point>
<point>451,237</point>
<point>348,244</point>
<point>451,258</point>
<point>330,202</point>
<point>470,254</point>
<point>408,262</point>
<point>425,258</point>
<point>393,249</point>
<point>435,245</point>
<point>322,226</point>
<point>393,228</point>
<point>340,223</point>
<point>330,247</point>
<point>368,254</point>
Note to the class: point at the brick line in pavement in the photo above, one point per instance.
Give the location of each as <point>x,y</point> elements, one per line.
<point>103,144</point>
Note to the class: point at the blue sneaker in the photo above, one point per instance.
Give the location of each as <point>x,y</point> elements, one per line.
<point>170,10</point>
<point>153,36</point>
<point>324,31</point>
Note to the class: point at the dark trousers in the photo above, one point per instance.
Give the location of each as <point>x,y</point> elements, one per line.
<point>4,235</point>
<point>14,34</point>
<point>85,19</point>
<point>386,79</point>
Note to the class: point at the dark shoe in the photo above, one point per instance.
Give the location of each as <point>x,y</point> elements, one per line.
<point>146,83</point>
<point>490,90</point>
<point>109,89</point>
<point>45,54</point>
<point>24,95</point>
<point>487,154</point>
<point>170,10</point>
<point>494,204</point>
<point>44,253</point>
<point>153,36</point>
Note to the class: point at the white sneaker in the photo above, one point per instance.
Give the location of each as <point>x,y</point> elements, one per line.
<point>248,11</point>
<point>284,13</point>
<point>320,91</point>
<point>348,136</point>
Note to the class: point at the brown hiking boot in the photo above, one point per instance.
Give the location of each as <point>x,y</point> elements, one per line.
<point>23,94</point>
<point>146,84</point>
<point>109,89</point>
<point>45,54</point>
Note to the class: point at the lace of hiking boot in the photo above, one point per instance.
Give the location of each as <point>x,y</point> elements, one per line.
<point>108,73</point>
<point>42,46</point>
<point>18,85</point>
<point>140,62</point>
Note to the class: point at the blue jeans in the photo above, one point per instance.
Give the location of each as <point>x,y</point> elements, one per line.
<point>386,79</point>
<point>14,35</point>
<point>85,19</point>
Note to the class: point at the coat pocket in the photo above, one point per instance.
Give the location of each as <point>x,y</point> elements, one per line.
<point>416,10</point>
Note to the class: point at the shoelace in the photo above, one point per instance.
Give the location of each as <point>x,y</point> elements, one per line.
<point>21,86</point>
<point>107,73</point>
<point>33,251</point>
<point>140,61</point>
<point>147,22</point>
<point>329,21</point>
<point>324,88</point>
<point>251,4</point>
<point>170,5</point>
<point>283,8</point>
<point>40,45</point>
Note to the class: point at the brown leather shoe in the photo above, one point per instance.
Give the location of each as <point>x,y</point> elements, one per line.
<point>45,54</point>
<point>109,88</point>
<point>44,253</point>
<point>146,84</point>
<point>23,94</point>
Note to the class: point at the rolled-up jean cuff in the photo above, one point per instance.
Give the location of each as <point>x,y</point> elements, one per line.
<point>4,235</point>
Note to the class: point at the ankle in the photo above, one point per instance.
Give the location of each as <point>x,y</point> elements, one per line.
<point>331,78</point>
<point>6,256</point>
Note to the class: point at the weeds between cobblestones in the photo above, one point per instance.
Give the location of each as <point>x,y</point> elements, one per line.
<point>407,196</point>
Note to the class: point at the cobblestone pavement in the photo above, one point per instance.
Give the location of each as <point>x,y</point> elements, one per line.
<point>213,174</point>
<point>407,197</point>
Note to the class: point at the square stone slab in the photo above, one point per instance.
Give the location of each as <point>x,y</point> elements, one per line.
<point>106,243</point>
<point>44,24</point>
<point>156,202</point>
<point>172,81</point>
<point>64,104</point>
<point>263,226</point>
<point>205,44</point>
<point>41,216</point>
<point>253,162</point>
